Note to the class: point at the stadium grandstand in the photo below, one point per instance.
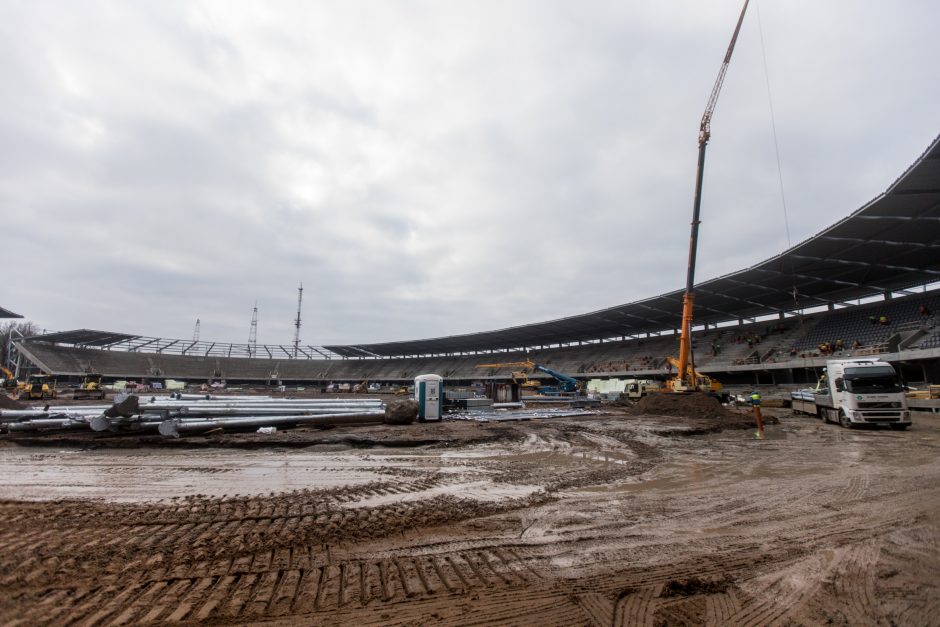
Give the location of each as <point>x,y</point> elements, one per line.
<point>867,285</point>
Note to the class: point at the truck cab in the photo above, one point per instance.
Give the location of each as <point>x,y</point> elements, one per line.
<point>864,391</point>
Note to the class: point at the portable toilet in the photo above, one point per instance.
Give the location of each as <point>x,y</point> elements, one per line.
<point>429,393</point>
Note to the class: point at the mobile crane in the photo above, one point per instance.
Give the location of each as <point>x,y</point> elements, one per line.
<point>685,379</point>
<point>566,384</point>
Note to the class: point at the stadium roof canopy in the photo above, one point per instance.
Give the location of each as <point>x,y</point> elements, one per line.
<point>85,337</point>
<point>88,338</point>
<point>890,245</point>
<point>6,313</point>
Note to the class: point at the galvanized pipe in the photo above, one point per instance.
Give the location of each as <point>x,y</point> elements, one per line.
<point>175,426</point>
<point>45,423</point>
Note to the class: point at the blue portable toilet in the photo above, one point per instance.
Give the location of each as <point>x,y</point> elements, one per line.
<point>429,392</point>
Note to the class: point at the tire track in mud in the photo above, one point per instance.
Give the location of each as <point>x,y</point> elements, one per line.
<point>232,562</point>
<point>841,547</point>
<point>635,606</point>
<point>254,593</point>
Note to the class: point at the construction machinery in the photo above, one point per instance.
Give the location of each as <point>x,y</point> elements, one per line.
<point>9,379</point>
<point>89,388</point>
<point>686,379</point>
<point>566,384</point>
<point>520,377</point>
<point>38,387</point>
<point>696,380</point>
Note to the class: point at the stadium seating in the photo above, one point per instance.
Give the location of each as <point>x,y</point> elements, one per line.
<point>757,344</point>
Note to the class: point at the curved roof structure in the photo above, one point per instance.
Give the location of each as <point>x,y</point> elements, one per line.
<point>891,244</point>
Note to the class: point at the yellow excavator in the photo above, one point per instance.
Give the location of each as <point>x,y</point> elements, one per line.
<point>9,379</point>
<point>518,376</point>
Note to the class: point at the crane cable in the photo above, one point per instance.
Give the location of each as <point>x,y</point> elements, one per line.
<point>773,125</point>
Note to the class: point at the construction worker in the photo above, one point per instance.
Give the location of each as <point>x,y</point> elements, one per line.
<point>755,402</point>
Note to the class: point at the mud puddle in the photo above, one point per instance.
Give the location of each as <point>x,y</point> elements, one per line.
<point>153,475</point>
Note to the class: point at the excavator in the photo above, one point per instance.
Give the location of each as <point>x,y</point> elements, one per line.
<point>9,379</point>
<point>687,379</point>
<point>518,376</point>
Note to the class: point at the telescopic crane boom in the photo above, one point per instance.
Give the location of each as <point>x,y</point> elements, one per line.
<point>685,380</point>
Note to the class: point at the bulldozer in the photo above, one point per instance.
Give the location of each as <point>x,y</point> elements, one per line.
<point>38,387</point>
<point>90,388</point>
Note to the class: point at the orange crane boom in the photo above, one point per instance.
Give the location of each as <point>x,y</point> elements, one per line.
<point>684,378</point>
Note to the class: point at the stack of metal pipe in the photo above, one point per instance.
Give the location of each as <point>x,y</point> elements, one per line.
<point>172,416</point>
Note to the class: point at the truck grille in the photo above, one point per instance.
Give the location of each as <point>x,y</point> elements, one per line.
<point>880,405</point>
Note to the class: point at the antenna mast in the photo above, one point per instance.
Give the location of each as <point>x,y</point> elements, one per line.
<point>196,331</point>
<point>300,299</point>
<point>253,333</point>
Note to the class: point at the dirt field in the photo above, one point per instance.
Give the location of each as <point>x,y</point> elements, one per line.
<point>608,520</point>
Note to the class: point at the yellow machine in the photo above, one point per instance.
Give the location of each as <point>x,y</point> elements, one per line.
<point>39,387</point>
<point>9,380</point>
<point>90,388</point>
<point>518,376</point>
<point>694,381</point>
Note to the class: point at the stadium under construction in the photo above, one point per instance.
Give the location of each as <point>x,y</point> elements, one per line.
<point>867,285</point>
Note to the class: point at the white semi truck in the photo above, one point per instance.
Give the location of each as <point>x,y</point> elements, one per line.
<point>857,392</point>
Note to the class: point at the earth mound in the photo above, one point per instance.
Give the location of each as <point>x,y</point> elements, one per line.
<point>8,403</point>
<point>694,405</point>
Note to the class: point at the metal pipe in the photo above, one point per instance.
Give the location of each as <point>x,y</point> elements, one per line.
<point>264,411</point>
<point>45,423</point>
<point>176,426</point>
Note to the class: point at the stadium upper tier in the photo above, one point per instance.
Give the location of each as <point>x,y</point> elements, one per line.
<point>889,245</point>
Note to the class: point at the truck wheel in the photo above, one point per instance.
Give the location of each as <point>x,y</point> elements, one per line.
<point>844,420</point>
<point>898,427</point>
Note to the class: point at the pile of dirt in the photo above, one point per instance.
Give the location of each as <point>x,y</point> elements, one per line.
<point>694,405</point>
<point>8,403</point>
<point>401,411</point>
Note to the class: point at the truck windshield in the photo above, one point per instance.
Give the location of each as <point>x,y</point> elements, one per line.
<point>879,380</point>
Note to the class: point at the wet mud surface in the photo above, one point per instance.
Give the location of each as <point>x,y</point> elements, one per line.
<point>612,520</point>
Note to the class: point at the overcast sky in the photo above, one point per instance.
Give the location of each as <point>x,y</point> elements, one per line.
<point>428,168</point>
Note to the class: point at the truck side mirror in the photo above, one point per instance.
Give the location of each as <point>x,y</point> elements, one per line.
<point>839,386</point>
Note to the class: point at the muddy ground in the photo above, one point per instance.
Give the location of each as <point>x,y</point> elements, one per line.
<point>612,519</point>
